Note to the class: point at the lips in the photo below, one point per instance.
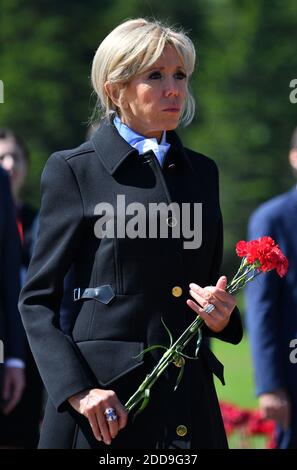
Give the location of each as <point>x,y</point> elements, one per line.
<point>173,110</point>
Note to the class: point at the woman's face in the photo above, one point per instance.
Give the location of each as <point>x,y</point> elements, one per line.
<point>153,101</point>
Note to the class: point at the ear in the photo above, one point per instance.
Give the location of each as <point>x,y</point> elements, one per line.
<point>293,158</point>
<point>113,91</point>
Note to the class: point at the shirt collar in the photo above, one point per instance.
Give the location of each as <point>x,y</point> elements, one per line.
<point>107,137</point>
<point>141,143</point>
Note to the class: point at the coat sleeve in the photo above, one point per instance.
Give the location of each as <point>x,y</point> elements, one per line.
<point>233,332</point>
<point>263,319</point>
<point>60,231</point>
<point>10,267</point>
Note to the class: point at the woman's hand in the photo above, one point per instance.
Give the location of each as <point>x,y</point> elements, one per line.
<point>92,404</point>
<point>224,304</point>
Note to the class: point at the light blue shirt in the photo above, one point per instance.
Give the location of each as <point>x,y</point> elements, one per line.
<point>141,143</point>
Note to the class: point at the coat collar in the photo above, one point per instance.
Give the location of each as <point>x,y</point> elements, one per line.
<point>113,150</point>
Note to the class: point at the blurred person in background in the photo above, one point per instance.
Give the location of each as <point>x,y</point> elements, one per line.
<point>21,427</point>
<point>271,316</point>
<point>12,376</point>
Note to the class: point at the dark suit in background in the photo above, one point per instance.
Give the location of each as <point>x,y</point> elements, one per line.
<point>272,308</point>
<point>21,427</point>
<point>11,329</point>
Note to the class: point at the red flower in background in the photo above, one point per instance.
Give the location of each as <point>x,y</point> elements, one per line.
<point>248,422</point>
<point>259,425</point>
<point>233,416</point>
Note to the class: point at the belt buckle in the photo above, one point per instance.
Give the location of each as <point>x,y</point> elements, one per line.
<point>76,294</point>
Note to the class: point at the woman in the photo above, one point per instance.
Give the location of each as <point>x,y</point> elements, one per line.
<point>129,277</point>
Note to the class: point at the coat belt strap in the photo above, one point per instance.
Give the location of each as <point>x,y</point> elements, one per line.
<point>103,294</point>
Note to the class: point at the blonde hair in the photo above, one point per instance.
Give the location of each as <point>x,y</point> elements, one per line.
<point>131,48</point>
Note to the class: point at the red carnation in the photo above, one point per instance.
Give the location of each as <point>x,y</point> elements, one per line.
<point>263,254</point>
<point>241,248</point>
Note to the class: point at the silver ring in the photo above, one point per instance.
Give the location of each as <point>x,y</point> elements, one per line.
<point>209,308</point>
<point>110,414</point>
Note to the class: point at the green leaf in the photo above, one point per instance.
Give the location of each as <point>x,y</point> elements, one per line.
<point>199,339</point>
<point>156,346</point>
<point>180,376</point>
<point>187,357</point>
<point>144,404</point>
<point>168,331</point>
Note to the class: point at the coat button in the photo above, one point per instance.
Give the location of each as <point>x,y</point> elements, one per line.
<point>171,221</point>
<point>181,430</point>
<point>177,291</point>
<point>171,167</point>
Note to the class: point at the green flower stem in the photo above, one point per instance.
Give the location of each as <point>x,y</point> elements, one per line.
<point>235,283</point>
<point>238,281</point>
<point>149,381</point>
<point>243,264</point>
<point>163,363</point>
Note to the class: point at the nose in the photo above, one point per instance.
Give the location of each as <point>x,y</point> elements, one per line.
<point>171,87</point>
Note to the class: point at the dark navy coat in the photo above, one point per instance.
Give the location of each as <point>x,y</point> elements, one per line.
<point>272,306</point>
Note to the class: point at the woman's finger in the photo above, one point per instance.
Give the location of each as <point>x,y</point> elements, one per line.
<point>122,416</point>
<point>95,426</point>
<point>215,320</point>
<point>220,306</point>
<point>207,317</point>
<point>222,295</point>
<point>211,291</point>
<point>112,420</point>
<point>113,428</point>
<point>202,300</point>
<point>103,425</point>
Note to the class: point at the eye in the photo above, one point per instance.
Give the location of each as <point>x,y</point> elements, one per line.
<point>154,75</point>
<point>180,75</point>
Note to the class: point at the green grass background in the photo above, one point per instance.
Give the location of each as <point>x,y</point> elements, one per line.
<point>238,371</point>
<point>239,388</point>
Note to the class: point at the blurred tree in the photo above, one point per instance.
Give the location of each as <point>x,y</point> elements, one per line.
<point>245,118</point>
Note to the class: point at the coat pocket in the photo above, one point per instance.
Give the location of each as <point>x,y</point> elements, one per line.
<point>110,360</point>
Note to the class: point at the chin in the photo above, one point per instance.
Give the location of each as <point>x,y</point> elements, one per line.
<point>171,127</point>
<point>170,124</point>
